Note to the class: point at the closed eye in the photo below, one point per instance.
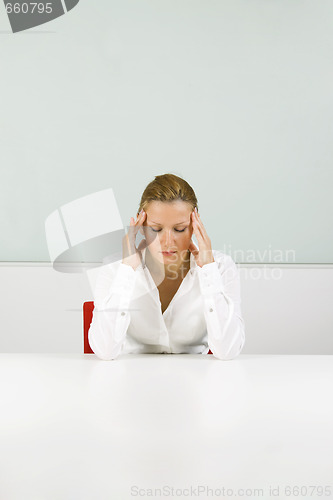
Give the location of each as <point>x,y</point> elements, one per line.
<point>177,230</point>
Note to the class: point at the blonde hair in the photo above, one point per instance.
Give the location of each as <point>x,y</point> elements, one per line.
<point>168,187</point>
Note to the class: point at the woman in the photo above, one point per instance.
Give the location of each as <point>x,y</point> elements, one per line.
<point>167,295</point>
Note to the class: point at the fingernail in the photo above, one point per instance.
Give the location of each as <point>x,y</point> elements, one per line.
<point>195,209</point>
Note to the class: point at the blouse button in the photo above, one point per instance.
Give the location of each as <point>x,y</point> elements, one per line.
<point>211,309</point>
<point>123,314</point>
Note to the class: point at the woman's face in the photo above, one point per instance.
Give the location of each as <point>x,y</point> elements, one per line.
<point>168,228</point>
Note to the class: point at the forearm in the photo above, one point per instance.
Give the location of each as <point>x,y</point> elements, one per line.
<point>225,326</point>
<point>220,288</point>
<point>107,332</point>
<point>111,316</point>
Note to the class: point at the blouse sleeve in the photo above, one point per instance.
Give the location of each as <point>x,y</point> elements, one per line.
<point>111,317</point>
<point>220,288</point>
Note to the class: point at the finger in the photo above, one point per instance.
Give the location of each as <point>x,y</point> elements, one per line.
<point>192,248</point>
<point>128,239</point>
<point>140,218</point>
<point>201,228</point>
<point>201,225</point>
<point>194,251</point>
<point>197,229</point>
<point>134,227</point>
<point>132,230</point>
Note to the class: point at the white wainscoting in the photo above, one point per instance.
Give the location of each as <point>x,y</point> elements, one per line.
<point>286,309</point>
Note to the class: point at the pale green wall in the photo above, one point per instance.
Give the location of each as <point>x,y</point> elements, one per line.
<point>235,96</point>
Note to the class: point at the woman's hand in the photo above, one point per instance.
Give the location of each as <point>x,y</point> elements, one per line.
<point>205,254</point>
<point>132,255</point>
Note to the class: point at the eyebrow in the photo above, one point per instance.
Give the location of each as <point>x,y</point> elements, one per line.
<point>178,223</point>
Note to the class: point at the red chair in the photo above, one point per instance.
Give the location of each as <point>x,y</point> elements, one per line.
<point>88,308</point>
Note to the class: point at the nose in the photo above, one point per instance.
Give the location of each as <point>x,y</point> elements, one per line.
<point>168,238</point>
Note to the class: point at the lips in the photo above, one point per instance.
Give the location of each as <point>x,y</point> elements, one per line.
<point>168,253</point>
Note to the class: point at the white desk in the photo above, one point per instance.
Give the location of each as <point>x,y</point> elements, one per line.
<point>78,428</point>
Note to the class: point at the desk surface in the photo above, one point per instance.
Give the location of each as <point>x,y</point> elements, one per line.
<point>76,427</point>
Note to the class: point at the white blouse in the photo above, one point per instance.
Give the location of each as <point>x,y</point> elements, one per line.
<point>205,313</point>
